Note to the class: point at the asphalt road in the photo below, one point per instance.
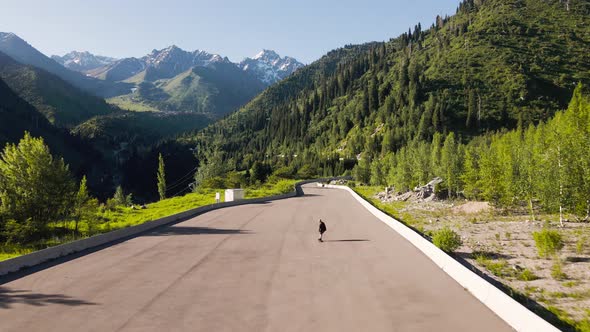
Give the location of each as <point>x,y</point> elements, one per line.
<point>251,268</point>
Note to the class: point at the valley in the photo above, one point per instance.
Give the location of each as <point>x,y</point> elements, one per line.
<point>472,128</point>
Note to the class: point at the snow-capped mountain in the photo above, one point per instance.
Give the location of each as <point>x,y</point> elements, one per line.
<point>171,61</point>
<point>82,61</point>
<point>159,64</point>
<point>269,67</point>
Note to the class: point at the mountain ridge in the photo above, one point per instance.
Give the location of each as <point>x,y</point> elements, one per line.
<point>21,51</point>
<point>82,61</point>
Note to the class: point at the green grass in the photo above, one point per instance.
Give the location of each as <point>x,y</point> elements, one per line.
<point>123,217</point>
<point>393,209</point>
<point>499,268</point>
<point>126,102</point>
<point>270,189</point>
<point>8,252</point>
<point>580,326</point>
<point>526,275</point>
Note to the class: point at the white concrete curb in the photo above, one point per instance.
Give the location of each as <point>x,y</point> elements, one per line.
<point>512,312</point>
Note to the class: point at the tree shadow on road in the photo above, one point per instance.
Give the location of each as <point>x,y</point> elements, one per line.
<point>9,297</point>
<point>188,230</point>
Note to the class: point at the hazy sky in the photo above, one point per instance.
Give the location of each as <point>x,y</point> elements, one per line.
<point>304,29</point>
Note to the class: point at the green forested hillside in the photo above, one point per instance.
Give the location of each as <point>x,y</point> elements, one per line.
<point>18,116</point>
<point>18,49</point>
<point>495,64</point>
<point>61,103</point>
<point>136,129</point>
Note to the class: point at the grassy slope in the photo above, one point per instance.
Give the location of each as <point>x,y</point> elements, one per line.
<point>62,104</point>
<point>216,90</point>
<point>129,103</point>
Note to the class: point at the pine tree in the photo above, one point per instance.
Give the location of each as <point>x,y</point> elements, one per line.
<point>161,178</point>
<point>119,196</point>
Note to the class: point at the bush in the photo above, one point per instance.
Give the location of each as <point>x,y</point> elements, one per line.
<point>22,232</point>
<point>556,271</point>
<point>548,242</point>
<point>285,186</point>
<point>447,240</point>
<point>214,183</point>
<point>285,172</point>
<point>235,180</point>
<point>527,275</point>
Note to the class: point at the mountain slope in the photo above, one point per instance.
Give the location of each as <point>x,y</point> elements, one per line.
<point>21,51</point>
<point>60,102</point>
<point>492,65</point>
<point>82,61</point>
<point>174,80</point>
<point>18,116</point>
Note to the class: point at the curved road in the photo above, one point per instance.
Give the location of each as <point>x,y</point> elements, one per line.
<point>251,268</point>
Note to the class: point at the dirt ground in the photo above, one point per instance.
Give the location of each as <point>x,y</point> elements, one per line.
<point>503,247</point>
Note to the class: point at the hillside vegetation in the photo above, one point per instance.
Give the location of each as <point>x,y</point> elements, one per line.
<point>18,116</point>
<point>493,65</point>
<point>214,90</point>
<point>60,102</point>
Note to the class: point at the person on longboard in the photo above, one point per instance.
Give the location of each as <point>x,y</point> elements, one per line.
<point>322,230</point>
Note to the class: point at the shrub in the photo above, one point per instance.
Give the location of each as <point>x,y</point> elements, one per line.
<point>556,271</point>
<point>285,172</point>
<point>447,239</point>
<point>235,180</point>
<point>527,275</point>
<point>216,182</point>
<point>22,232</point>
<point>284,186</point>
<point>548,242</point>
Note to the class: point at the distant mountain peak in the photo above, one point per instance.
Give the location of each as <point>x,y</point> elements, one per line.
<point>266,54</point>
<point>269,66</point>
<point>10,37</point>
<point>7,35</point>
<point>83,61</point>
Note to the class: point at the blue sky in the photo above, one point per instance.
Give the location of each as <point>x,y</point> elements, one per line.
<point>304,29</point>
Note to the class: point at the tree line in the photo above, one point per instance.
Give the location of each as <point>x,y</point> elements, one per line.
<point>541,166</point>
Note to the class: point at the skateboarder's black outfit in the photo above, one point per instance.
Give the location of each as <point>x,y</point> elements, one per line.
<point>322,230</point>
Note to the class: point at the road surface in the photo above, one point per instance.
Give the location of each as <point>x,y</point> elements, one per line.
<point>255,267</point>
